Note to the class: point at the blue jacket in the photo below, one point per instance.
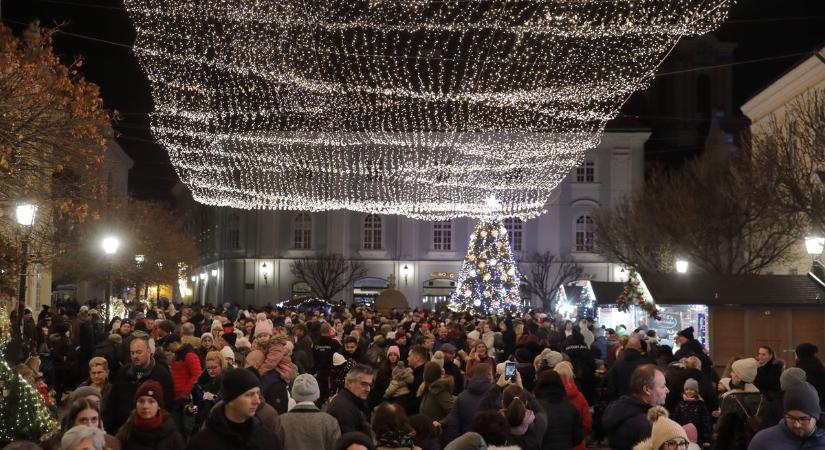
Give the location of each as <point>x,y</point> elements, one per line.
<point>778,437</point>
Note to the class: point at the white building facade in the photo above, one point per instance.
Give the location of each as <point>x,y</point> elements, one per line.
<point>247,254</point>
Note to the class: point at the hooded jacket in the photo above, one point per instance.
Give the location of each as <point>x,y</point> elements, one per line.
<point>778,437</point>
<point>219,435</point>
<point>618,378</point>
<point>186,368</point>
<point>626,422</point>
<point>438,399</point>
<point>576,398</point>
<point>563,431</point>
<point>465,407</point>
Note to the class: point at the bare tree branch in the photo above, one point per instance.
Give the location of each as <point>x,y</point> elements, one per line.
<point>327,274</point>
<point>547,273</point>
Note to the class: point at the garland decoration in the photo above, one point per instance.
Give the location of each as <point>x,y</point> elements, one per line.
<point>634,294</point>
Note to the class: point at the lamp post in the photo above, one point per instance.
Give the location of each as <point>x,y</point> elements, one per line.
<point>681,266</point>
<point>814,246</point>
<point>110,245</point>
<point>266,271</point>
<point>405,272</point>
<point>25,218</point>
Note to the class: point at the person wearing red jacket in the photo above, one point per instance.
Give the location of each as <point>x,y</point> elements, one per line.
<point>576,398</point>
<point>186,368</point>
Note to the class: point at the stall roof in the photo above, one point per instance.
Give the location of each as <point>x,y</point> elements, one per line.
<point>714,289</point>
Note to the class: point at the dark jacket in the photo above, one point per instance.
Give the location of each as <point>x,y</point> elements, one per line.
<point>219,435</point>
<point>767,378</point>
<point>205,384</point>
<point>676,375</point>
<point>697,413</point>
<point>626,422</point>
<point>323,351</point>
<point>122,398</point>
<point>732,429</point>
<point>814,374</point>
<point>110,351</point>
<point>437,400</point>
<point>465,407</point>
<point>458,378</point>
<point>304,355</point>
<point>618,377</point>
<point>166,437</point>
<point>351,412</point>
<point>563,431</point>
<point>778,437</point>
<point>694,348</point>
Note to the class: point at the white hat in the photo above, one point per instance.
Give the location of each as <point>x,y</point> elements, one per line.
<point>338,359</point>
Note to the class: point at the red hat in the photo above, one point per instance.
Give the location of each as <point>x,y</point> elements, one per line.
<point>150,388</point>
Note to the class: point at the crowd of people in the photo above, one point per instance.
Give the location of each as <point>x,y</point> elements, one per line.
<point>232,377</point>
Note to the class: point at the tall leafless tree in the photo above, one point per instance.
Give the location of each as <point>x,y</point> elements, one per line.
<point>547,273</point>
<point>719,211</point>
<point>327,274</point>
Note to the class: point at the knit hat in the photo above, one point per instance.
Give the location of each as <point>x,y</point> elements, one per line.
<point>687,333</point>
<point>338,359</point>
<point>243,343</point>
<point>237,381</point>
<point>474,335</point>
<point>802,397</point>
<point>691,432</point>
<point>438,358</point>
<point>83,392</point>
<point>262,325</point>
<point>216,324</point>
<point>305,388</point>
<point>664,429</point>
<point>791,377</point>
<point>230,338</point>
<point>746,369</point>
<point>150,388</point>
<point>551,357</point>
<point>394,349</point>
<point>227,353</point>
<point>690,383</point>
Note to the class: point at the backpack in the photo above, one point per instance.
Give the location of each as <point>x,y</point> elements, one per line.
<point>754,423</point>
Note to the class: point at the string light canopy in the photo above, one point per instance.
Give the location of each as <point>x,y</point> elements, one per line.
<point>423,108</point>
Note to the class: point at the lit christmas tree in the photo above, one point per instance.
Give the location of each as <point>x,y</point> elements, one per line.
<point>489,279</point>
<point>23,415</point>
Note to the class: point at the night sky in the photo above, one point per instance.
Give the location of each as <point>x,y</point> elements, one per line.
<point>776,30</point>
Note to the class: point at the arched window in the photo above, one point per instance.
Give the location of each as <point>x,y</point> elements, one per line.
<point>586,173</point>
<point>372,232</point>
<point>443,235</point>
<point>514,227</point>
<point>584,234</point>
<point>233,232</point>
<point>303,231</point>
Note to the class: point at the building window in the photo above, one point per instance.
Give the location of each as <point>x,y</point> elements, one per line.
<point>233,232</point>
<point>586,173</point>
<point>372,232</point>
<point>443,235</point>
<point>303,232</point>
<point>584,234</point>
<point>515,228</point>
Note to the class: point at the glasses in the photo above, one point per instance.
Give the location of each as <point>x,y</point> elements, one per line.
<point>804,420</point>
<point>675,444</point>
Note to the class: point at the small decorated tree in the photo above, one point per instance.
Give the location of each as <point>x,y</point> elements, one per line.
<point>23,414</point>
<point>489,279</point>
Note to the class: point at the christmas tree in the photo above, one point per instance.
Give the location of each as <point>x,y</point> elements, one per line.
<point>489,279</point>
<point>23,415</point>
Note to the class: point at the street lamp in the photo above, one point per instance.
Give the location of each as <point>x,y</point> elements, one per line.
<point>25,218</point>
<point>214,272</point>
<point>406,271</point>
<point>266,271</point>
<point>814,245</point>
<point>110,245</point>
<point>681,266</point>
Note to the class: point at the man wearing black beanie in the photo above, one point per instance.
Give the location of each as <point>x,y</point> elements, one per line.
<point>232,423</point>
<point>799,428</point>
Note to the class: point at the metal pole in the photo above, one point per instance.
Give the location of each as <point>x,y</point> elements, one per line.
<point>109,291</point>
<point>21,290</point>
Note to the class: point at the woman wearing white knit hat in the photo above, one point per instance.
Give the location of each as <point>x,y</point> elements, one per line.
<point>665,434</point>
<point>743,409</point>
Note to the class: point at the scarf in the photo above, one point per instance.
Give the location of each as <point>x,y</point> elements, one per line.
<point>529,417</point>
<point>148,424</point>
<point>396,439</point>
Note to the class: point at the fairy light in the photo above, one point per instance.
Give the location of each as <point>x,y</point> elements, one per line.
<point>23,414</point>
<point>424,108</point>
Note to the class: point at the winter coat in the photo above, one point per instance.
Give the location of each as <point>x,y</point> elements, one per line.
<point>322,353</point>
<point>437,399</point>
<point>576,398</point>
<point>473,441</point>
<point>122,398</point>
<point>350,411</point>
<point>767,377</point>
<point>186,368</point>
<point>454,371</point>
<point>219,435</point>
<point>626,422</point>
<point>814,374</point>
<point>618,377</point>
<point>166,437</point>
<point>731,429</point>
<point>599,348</point>
<point>276,359</point>
<point>471,363</point>
<point>109,350</point>
<point>533,438</point>
<point>303,355</point>
<point>778,437</point>
<point>205,384</point>
<point>584,365</point>
<point>564,431</point>
<point>676,374</point>
<point>307,427</point>
<point>694,348</point>
<point>465,407</point>
<point>697,413</point>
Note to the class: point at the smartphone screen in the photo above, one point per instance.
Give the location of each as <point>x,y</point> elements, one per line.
<point>509,370</point>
